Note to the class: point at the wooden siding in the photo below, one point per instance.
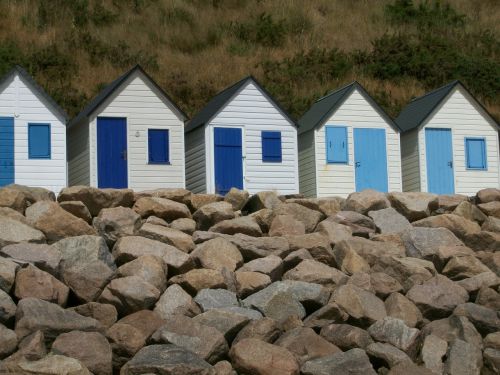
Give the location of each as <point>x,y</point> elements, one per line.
<point>142,105</point>
<point>307,170</point>
<point>410,161</point>
<point>465,119</point>
<point>26,106</point>
<point>251,110</point>
<point>196,180</point>
<point>339,179</point>
<point>78,155</point>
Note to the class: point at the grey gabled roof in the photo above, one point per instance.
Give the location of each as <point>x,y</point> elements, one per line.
<point>36,87</point>
<point>419,109</point>
<point>222,98</point>
<point>112,87</point>
<point>324,107</point>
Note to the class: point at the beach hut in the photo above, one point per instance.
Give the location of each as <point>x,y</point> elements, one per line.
<point>242,138</point>
<point>32,134</point>
<point>449,143</point>
<point>131,135</point>
<point>348,143</point>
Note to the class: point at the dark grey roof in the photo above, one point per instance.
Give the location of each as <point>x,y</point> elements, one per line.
<point>29,79</point>
<point>324,107</point>
<point>221,99</point>
<point>419,109</point>
<point>112,87</point>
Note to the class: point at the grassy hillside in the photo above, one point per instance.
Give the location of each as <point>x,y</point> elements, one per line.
<point>299,49</point>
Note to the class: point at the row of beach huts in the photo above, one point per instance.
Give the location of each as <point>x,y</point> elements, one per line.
<point>132,135</point>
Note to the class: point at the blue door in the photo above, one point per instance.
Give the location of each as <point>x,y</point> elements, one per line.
<point>370,159</point>
<point>6,151</point>
<point>439,161</point>
<point>228,157</point>
<point>112,152</point>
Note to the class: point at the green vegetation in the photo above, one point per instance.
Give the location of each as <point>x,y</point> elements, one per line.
<point>299,50</point>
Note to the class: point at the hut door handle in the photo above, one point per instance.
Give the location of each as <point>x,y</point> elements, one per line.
<point>357,164</point>
<point>450,164</point>
<point>124,154</point>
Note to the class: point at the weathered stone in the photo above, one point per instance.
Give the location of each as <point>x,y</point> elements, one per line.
<point>326,315</point>
<point>361,305</point>
<point>491,260</point>
<point>460,226</point>
<point>8,271</point>
<point>209,299</point>
<point>174,237</point>
<point>175,194</point>
<point>491,208</point>
<point>10,213</point>
<point>198,279</point>
<point>244,224</point>
<point>257,357</point>
<point>310,218</point>
<point>361,280</point>
<point>312,271</point>
<point>271,266</point>
<point>15,199</point>
<point>32,348</point>
<point>165,209</point>
<point>372,251</point>
<point>217,254</point>
<point>365,201</point>
<point>348,259</point>
<point>113,223</point>
<point>104,313</point>
<point>414,206</point>
<point>359,224</point>
<point>484,319</point>
<point>400,307</point>
<point>488,297</point>
<point>45,257</point>
<point>446,203</point>
<point>206,342</point>
<point>334,231</point>
<point>167,360</point>
<point>13,231</point>
<point>158,221</point>
<point>7,308</point>
<point>491,224</point>
<point>55,222</point>
<point>176,301</point>
<point>383,284</point>
<point>352,362</point>
<point>184,224</point>
<point>37,315</point>
<point>470,212</point>
<point>461,267</point>
<point>395,332</point>
<point>130,248</point>
<point>445,253</point>
<point>432,353</point>
<point>199,200</point>
<point>212,213</point>
<point>406,367</point>
<point>316,243</point>
<point>263,199</point>
<point>264,329</point>
<point>483,241</point>
<point>237,198</point>
<point>53,365</point>
<point>129,294</point>
<point>8,341</point>
<point>250,282</point>
<point>295,257</point>
<point>275,303</point>
<point>90,348</point>
<point>32,282</point>
<point>388,220</point>
<point>224,368</point>
<point>488,195</point>
<point>150,268</point>
<point>462,359</point>
<point>227,322</point>
<point>77,209</point>
<point>286,225</point>
<point>491,360</point>
<point>386,353</point>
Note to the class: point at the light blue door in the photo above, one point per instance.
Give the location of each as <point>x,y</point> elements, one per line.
<point>112,152</point>
<point>439,155</point>
<point>6,151</point>
<point>228,156</point>
<point>370,159</point>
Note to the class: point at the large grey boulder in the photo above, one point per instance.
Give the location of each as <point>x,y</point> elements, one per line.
<point>310,218</point>
<point>104,313</point>
<point>460,226</point>
<point>7,308</point>
<point>170,236</point>
<point>77,209</point>
<point>226,321</point>
<point>470,212</point>
<point>53,364</point>
<point>149,268</point>
<point>346,336</point>
<point>360,225</point>
<point>372,251</point>
<point>395,332</point>
<point>97,199</point>
<point>334,231</point>
<point>8,341</point>
<point>400,307</point>
<point>218,253</point>
<point>113,223</point>
<point>352,362</point>
<point>243,224</point>
<point>488,195</point>
<point>15,199</point>
<point>389,221</point>
<point>238,198</point>
<point>8,271</point>
<point>312,271</point>
<point>195,280</point>
<point>13,231</point>
<point>209,299</point>
<point>316,243</point>
<point>414,206</point>
<point>45,257</point>
<point>176,301</point>
<point>212,213</point>
<point>166,209</point>
<point>464,266</point>
<point>484,319</point>
<point>286,225</point>
<point>264,329</point>
<point>432,353</point>
<point>365,201</point>
<point>462,359</point>
<point>271,266</point>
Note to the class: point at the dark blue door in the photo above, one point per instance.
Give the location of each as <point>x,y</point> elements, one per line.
<point>228,159</point>
<point>439,156</point>
<point>6,151</point>
<point>370,159</point>
<point>112,152</point>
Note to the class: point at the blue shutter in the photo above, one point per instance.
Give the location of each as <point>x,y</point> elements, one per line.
<point>271,146</point>
<point>39,141</point>
<point>158,146</point>
<point>336,144</point>
<point>475,150</point>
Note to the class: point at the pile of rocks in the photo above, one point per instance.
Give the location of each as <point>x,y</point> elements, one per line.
<point>170,282</point>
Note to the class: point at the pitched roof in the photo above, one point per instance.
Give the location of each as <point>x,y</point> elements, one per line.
<point>324,107</point>
<point>222,98</point>
<point>36,87</point>
<point>419,109</point>
<point>112,87</point>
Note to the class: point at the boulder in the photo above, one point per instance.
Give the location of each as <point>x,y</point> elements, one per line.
<point>149,268</point>
<point>384,285</point>
<point>483,241</point>
<point>275,303</point>
<point>210,214</point>
<point>432,353</point>
<point>218,253</point>
<point>286,225</point>
<point>244,224</point>
<point>13,231</point>
<point>491,260</point>
<point>365,201</point>
<point>78,209</point>
<point>462,359</point>
<point>460,226</point>
<point>15,199</point>
<point>317,244</point>
<point>406,367</point>
<point>9,213</point>
<point>32,348</point>
<point>446,203</point>
<point>437,297</point>
<point>484,319</point>
<point>348,260</point>
<point>400,307</point>
<point>414,206</point>
<point>55,222</point>
<point>205,341</point>
<point>263,199</point>
<point>37,315</point>
<point>130,248</point>
<point>491,208</point>
<point>184,224</point>
<point>113,223</point>
<point>195,280</point>
<point>488,195</point>
<point>271,266</point>
<point>389,221</point>
<point>165,209</point>
<point>352,362</point>
<point>199,200</point>
<point>264,329</point>
<point>53,365</point>
<point>334,231</point>
<point>227,322</point>
<point>104,313</point>
<point>488,297</point>
<point>167,360</point>
<point>175,194</point>
<point>8,271</point>
<point>295,257</point>
<point>312,271</point>
<point>464,266</point>
<point>96,199</point>
<point>209,299</point>
<point>395,332</point>
<point>264,218</point>
<point>492,360</point>
<point>470,212</point>
<point>372,251</point>
<point>387,354</point>
<point>129,294</point>
<point>249,282</point>
<point>158,221</point>
<point>491,224</point>
<point>32,282</point>
<point>310,218</point>
<point>170,236</point>
<point>346,336</point>
<point>7,308</point>
<point>237,198</point>
<point>408,271</point>
<point>176,301</point>
<point>90,348</point>
<point>492,341</point>
<point>257,357</point>
<point>45,257</point>
<point>8,341</point>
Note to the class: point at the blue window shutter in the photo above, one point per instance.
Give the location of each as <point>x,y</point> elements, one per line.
<point>39,141</point>
<point>158,146</point>
<point>336,144</point>
<point>271,146</point>
<point>475,150</point>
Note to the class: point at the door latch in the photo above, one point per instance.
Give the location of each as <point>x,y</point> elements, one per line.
<point>357,164</point>
<point>124,154</point>
<point>450,164</point>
